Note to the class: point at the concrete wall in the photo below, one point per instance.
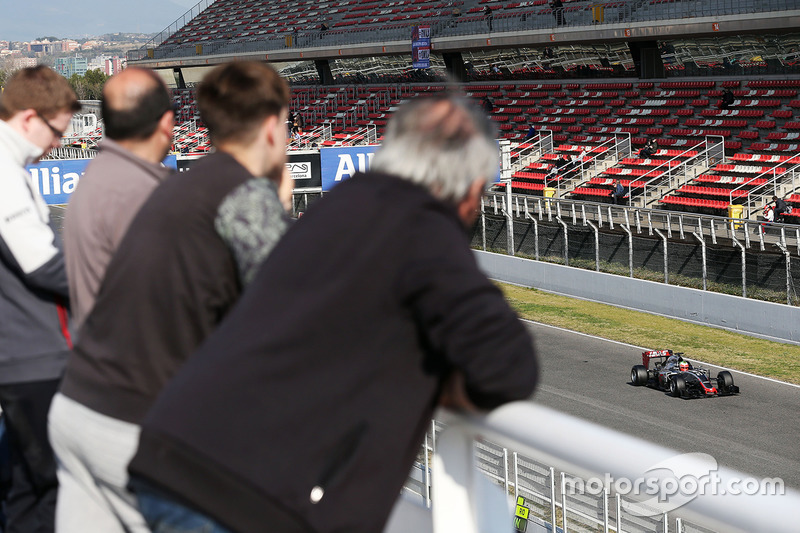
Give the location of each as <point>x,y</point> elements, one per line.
<point>753,317</point>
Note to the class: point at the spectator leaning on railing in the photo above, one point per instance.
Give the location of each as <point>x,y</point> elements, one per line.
<point>272,426</point>
<point>194,245</point>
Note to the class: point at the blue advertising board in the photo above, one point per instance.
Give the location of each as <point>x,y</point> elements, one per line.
<point>421,47</point>
<point>55,180</point>
<point>339,164</point>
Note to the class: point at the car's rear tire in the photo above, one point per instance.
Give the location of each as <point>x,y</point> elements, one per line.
<point>677,386</point>
<point>638,375</point>
<point>724,381</point>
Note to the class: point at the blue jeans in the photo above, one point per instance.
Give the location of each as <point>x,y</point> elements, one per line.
<point>164,515</point>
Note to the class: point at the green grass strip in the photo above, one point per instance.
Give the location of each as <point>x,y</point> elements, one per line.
<point>717,346</point>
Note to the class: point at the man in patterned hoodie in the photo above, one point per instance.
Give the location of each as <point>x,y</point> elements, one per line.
<point>188,254</point>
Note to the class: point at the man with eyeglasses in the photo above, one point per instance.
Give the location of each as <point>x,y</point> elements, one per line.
<point>35,109</point>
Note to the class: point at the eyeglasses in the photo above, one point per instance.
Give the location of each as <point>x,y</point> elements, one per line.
<point>57,132</point>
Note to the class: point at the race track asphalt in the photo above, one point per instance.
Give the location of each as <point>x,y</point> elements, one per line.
<point>756,432</point>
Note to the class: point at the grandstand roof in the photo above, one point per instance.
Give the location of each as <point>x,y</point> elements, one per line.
<point>221,42</point>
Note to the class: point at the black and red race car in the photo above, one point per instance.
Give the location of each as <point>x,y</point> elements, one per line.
<point>671,372</point>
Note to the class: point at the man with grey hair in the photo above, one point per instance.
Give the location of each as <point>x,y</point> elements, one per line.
<point>305,410</point>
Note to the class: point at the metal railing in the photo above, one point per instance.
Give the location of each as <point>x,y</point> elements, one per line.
<point>774,179</point>
<point>460,501</point>
<point>674,177</point>
<point>70,152</point>
<point>639,219</point>
<point>527,154</point>
<point>668,225</point>
<point>167,32</point>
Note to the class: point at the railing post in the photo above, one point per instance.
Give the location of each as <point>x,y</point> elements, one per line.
<point>553,497</point>
<point>563,502</point>
<point>703,254</point>
<point>596,245</point>
<point>516,475</point>
<point>454,472</point>
<point>566,240</point>
<point>535,232</point>
<point>630,248</point>
<point>483,224</point>
<point>744,264</point>
<point>505,469</point>
<point>427,476</point>
<point>509,220</point>
<point>788,257</point>
<point>666,256</point>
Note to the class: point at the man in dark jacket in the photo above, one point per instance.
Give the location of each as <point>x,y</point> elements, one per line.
<point>305,410</point>
<point>781,209</point>
<point>35,109</point>
<point>618,193</point>
<point>196,242</point>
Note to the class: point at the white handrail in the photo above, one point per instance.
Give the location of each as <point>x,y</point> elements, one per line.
<point>590,451</point>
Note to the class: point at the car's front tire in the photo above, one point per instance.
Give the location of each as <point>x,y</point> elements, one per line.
<point>724,381</point>
<point>677,386</point>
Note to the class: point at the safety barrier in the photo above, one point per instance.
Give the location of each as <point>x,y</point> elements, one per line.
<point>544,457</point>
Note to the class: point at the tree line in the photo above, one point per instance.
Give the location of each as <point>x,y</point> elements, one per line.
<point>88,86</point>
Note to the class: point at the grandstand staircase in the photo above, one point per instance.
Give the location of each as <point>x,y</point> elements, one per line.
<point>651,197</point>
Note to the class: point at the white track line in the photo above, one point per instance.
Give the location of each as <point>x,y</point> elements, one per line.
<point>644,348</point>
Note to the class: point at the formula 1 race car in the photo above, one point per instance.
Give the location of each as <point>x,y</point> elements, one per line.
<point>671,372</point>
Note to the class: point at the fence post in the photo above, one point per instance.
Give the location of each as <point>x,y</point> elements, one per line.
<point>535,232</point>
<point>666,256</point>
<point>505,468</point>
<point>744,264</point>
<point>630,248</point>
<point>509,220</point>
<point>703,256</point>
<point>788,257</point>
<point>566,240</point>
<point>483,223</point>
<point>553,497</point>
<point>563,502</point>
<point>516,475</point>
<point>427,474</point>
<point>596,245</point>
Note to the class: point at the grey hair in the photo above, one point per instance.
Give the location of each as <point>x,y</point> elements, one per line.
<point>443,143</point>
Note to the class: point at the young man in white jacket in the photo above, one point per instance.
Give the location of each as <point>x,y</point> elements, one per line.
<point>35,109</point>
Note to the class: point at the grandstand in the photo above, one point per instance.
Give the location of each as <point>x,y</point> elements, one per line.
<point>597,76</point>
<point>597,81</point>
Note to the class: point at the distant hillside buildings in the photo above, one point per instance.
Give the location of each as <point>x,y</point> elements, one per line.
<point>18,55</point>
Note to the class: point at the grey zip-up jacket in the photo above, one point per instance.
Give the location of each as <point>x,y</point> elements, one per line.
<point>34,321</point>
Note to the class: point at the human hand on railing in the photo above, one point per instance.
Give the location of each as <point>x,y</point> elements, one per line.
<point>454,394</point>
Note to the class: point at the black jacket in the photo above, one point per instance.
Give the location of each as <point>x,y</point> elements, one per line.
<point>322,381</point>
<point>177,272</point>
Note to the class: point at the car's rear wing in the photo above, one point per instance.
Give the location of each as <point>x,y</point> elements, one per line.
<point>659,355</point>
